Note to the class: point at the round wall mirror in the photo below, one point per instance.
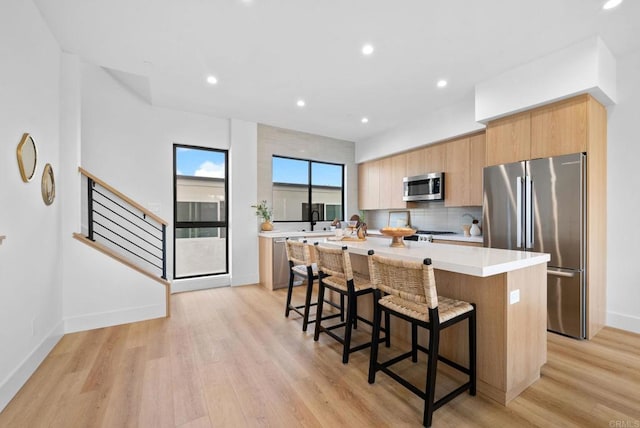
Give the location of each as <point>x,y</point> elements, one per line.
<point>27,157</point>
<point>48,185</point>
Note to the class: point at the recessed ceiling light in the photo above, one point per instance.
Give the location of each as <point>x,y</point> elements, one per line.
<point>364,120</point>
<point>610,4</point>
<point>212,80</point>
<point>300,103</point>
<point>367,49</point>
<point>442,83</point>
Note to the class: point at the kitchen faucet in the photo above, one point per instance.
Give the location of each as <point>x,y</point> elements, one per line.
<point>313,222</point>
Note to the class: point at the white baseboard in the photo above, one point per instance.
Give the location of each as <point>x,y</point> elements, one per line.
<point>623,321</point>
<point>245,279</point>
<point>12,384</point>
<point>200,283</point>
<point>108,319</point>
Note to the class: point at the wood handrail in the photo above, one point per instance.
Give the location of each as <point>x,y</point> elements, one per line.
<point>107,251</point>
<point>122,196</point>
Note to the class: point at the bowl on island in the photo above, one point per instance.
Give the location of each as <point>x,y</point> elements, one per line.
<point>397,234</point>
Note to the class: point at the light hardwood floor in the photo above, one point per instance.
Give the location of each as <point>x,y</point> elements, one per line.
<point>228,357</point>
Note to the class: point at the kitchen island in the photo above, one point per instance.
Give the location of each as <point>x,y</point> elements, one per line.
<point>510,291</point>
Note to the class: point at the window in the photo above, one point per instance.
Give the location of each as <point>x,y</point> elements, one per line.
<point>200,212</point>
<point>305,190</point>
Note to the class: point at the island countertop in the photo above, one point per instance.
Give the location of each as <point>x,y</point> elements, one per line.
<point>476,261</point>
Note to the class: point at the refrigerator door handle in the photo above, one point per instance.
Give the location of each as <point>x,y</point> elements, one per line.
<point>519,212</point>
<point>528,186</point>
<point>561,273</point>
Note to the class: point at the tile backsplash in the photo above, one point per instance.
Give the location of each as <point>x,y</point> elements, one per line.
<point>433,216</point>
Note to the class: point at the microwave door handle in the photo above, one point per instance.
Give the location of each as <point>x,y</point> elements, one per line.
<point>528,185</point>
<point>519,212</point>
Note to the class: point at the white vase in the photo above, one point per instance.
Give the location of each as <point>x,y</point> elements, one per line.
<point>475,230</point>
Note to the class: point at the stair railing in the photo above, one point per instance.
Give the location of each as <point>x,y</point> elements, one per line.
<point>125,230</point>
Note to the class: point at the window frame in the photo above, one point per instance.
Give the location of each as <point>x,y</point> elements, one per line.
<point>202,224</point>
<point>309,185</point>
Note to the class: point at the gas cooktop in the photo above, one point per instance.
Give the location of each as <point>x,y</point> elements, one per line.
<point>433,232</point>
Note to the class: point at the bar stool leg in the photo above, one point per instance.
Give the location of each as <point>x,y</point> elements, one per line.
<point>472,350</point>
<point>432,362</point>
<point>289,292</point>
<point>414,342</point>
<point>316,333</point>
<point>355,311</point>
<point>375,336</point>
<point>307,303</point>
<point>387,329</point>
<point>351,315</point>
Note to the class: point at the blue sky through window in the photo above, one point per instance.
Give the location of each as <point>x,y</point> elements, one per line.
<point>297,172</point>
<point>199,163</point>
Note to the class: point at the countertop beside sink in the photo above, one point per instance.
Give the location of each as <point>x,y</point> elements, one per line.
<point>370,232</point>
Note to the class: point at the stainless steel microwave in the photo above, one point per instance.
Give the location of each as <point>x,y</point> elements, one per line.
<point>427,187</point>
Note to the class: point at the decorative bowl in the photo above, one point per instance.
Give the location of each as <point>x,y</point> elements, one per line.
<point>397,233</point>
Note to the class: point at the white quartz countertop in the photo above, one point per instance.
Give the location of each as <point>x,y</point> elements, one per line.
<point>296,234</point>
<point>451,237</point>
<point>468,260</point>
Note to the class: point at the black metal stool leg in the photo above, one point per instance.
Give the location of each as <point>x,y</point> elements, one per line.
<point>432,362</point>
<point>289,292</point>
<point>316,333</point>
<point>375,337</point>
<point>307,303</point>
<point>351,314</point>
<point>472,351</point>
<point>387,329</point>
<point>414,342</point>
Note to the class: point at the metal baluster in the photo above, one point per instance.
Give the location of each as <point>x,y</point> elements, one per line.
<point>90,185</point>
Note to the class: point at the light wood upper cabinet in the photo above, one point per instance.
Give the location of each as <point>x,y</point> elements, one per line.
<point>384,178</point>
<point>509,139</point>
<point>415,162</point>
<point>380,183</point>
<point>368,183</point>
<point>559,129</point>
<point>398,172</point>
<point>465,159</point>
<point>434,158</point>
<point>477,162</point>
<point>425,160</point>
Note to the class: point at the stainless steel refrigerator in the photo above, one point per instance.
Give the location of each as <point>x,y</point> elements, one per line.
<point>539,205</point>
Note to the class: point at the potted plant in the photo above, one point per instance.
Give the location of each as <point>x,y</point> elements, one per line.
<point>263,210</point>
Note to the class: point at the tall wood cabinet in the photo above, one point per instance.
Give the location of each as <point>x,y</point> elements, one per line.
<point>368,185</point>
<point>465,159</point>
<point>574,125</point>
<point>557,129</point>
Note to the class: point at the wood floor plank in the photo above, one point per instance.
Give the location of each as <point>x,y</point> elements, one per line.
<point>229,358</point>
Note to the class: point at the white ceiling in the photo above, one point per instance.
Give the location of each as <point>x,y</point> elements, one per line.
<point>266,53</point>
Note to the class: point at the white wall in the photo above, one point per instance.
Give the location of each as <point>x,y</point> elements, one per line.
<point>457,119</point>
<point>129,144</point>
<point>623,182</point>
<point>585,67</point>
<point>30,257</point>
<point>243,189</point>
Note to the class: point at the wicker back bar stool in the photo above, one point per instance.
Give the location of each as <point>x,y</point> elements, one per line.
<point>300,256</point>
<point>335,273</point>
<point>407,290</point>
